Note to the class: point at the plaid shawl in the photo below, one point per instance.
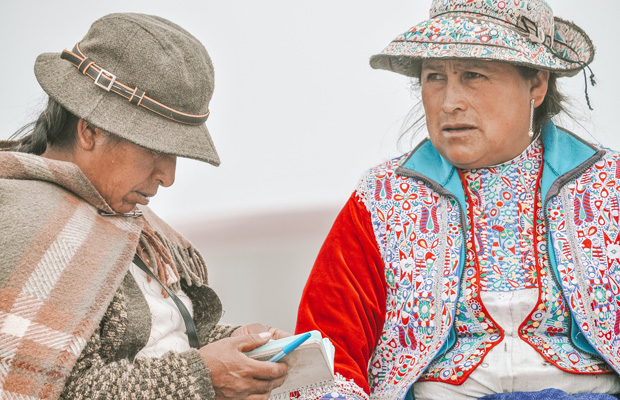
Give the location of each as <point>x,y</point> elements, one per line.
<point>61,261</point>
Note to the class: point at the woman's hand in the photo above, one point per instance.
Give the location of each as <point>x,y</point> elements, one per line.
<point>236,376</point>
<point>259,328</point>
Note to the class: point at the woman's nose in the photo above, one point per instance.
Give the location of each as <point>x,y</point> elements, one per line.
<point>165,169</point>
<point>454,97</point>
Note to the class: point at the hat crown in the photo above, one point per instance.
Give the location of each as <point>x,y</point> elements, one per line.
<point>532,17</point>
<point>154,92</point>
<point>154,55</point>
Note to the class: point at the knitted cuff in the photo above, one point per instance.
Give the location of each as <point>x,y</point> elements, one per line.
<point>221,331</point>
<point>200,373</point>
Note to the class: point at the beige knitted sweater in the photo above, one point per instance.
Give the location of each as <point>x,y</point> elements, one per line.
<point>71,317</point>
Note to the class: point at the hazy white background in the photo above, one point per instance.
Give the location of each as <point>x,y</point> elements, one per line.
<point>297,116</point>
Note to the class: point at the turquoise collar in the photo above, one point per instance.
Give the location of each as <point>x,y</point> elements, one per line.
<point>563,152</point>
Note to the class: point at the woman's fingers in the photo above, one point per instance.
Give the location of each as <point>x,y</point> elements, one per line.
<point>236,376</point>
<point>278,333</point>
<point>250,342</point>
<point>265,370</point>
<point>258,328</point>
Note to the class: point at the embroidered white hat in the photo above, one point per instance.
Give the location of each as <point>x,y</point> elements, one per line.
<point>523,32</point>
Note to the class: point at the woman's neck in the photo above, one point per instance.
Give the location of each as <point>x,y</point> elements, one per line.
<point>59,154</point>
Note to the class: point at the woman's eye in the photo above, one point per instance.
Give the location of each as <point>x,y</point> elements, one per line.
<point>430,77</point>
<point>473,75</point>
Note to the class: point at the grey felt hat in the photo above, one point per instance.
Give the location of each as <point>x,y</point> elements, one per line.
<point>140,77</point>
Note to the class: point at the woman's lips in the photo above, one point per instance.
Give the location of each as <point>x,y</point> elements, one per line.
<point>144,198</point>
<point>457,130</point>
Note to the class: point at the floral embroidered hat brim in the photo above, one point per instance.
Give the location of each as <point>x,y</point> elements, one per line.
<point>523,32</point>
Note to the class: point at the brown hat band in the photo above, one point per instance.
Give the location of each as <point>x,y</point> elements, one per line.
<point>136,96</point>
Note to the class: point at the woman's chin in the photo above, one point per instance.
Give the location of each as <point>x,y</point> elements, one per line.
<point>130,202</point>
<point>464,161</point>
<point>124,208</point>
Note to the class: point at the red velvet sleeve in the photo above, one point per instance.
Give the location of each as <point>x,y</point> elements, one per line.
<point>345,294</point>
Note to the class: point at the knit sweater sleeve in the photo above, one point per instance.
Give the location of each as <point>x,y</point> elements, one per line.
<point>220,331</point>
<point>345,296</point>
<point>207,312</point>
<point>103,371</point>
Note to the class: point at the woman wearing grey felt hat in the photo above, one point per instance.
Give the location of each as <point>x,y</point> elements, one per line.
<point>99,297</point>
<point>485,262</point>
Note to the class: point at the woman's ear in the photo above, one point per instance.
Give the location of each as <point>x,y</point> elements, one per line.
<point>538,90</point>
<point>85,136</point>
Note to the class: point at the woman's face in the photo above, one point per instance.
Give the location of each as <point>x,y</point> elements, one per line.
<point>478,112</point>
<point>124,173</point>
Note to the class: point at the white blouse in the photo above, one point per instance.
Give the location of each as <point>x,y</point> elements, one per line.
<point>514,365</point>
<point>167,326</point>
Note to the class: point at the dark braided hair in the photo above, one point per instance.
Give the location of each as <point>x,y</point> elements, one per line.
<point>55,126</point>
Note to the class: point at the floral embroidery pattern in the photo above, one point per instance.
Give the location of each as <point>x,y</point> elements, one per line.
<point>506,261</point>
<point>502,204</point>
<point>520,31</point>
<point>411,222</point>
<point>587,253</point>
<point>419,236</point>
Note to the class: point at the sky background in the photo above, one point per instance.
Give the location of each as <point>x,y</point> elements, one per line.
<point>297,116</point>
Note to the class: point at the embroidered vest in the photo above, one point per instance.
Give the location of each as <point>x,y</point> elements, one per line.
<point>506,252</point>
<point>419,232</point>
<point>584,230</point>
<point>420,238</point>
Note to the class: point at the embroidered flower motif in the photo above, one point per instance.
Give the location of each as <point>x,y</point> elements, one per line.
<point>334,395</point>
<point>613,251</point>
<point>422,310</point>
<point>600,294</point>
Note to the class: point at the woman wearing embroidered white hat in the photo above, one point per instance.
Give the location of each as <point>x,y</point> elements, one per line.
<point>99,298</point>
<point>485,261</point>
